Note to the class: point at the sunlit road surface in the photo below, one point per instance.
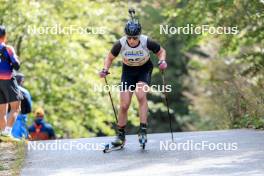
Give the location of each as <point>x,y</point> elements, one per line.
<point>230,152</point>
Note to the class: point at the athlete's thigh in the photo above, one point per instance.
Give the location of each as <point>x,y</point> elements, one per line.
<point>141,91</point>
<point>15,105</point>
<point>125,97</point>
<point>3,108</point>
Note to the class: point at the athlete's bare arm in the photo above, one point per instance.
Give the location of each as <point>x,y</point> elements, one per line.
<point>108,60</point>
<point>161,54</point>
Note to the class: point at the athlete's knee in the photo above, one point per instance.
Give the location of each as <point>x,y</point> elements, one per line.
<point>17,110</point>
<point>124,107</point>
<point>142,98</point>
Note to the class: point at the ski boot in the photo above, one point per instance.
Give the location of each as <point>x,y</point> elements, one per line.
<point>118,143</point>
<point>142,135</point>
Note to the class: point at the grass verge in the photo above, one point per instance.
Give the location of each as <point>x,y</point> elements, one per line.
<point>12,156</point>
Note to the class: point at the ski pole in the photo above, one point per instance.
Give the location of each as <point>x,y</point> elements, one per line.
<point>110,96</point>
<point>167,104</point>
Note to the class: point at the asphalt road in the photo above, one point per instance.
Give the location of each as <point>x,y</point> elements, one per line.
<point>231,152</point>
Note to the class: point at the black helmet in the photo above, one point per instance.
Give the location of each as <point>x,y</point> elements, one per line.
<point>132,27</point>
<point>2,30</point>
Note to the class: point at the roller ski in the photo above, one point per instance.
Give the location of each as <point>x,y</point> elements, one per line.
<point>142,136</point>
<point>118,143</point>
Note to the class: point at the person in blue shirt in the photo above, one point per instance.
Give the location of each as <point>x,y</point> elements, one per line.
<point>40,130</point>
<point>19,129</point>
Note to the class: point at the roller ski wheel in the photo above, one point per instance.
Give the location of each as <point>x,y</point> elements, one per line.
<point>118,143</point>
<point>143,145</point>
<point>142,135</point>
<point>110,147</point>
<point>142,140</point>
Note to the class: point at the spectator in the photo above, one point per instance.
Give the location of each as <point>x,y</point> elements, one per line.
<point>9,91</point>
<point>20,126</point>
<point>40,130</point>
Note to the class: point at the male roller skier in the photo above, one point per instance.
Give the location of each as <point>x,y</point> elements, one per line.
<point>137,67</point>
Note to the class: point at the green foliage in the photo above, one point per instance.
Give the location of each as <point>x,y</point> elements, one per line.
<point>217,80</point>
<point>229,92</point>
<point>61,70</point>
<point>250,122</point>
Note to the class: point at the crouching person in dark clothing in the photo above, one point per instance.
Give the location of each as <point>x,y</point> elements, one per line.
<point>40,130</point>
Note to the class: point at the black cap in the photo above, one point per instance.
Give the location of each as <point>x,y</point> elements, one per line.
<point>2,30</point>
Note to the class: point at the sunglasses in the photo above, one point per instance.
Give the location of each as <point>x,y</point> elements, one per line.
<point>134,38</point>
